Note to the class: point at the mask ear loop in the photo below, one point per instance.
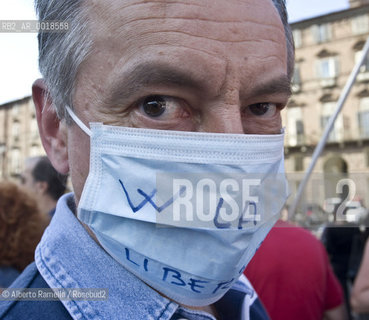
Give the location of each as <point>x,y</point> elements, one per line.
<point>78,122</point>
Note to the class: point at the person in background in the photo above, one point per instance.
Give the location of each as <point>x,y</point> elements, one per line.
<point>360,290</point>
<point>21,228</point>
<point>344,242</point>
<point>292,275</point>
<point>47,184</point>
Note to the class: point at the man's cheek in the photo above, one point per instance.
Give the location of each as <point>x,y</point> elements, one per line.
<point>79,155</point>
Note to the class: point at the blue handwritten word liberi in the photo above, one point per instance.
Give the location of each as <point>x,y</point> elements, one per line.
<point>175,277</point>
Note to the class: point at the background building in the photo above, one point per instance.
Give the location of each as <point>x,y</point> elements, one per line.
<point>19,136</point>
<point>327,48</point>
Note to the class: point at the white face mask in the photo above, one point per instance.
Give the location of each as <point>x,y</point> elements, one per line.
<point>183,211</point>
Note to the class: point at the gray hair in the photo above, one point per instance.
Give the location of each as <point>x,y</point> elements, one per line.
<point>61,54</point>
<point>282,10</point>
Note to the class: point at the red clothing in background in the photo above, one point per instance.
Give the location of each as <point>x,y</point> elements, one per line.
<point>292,275</point>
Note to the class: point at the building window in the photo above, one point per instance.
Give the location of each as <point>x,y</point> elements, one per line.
<point>2,160</point>
<point>15,130</point>
<point>299,162</point>
<point>16,110</point>
<point>322,33</point>
<point>297,37</point>
<point>365,65</point>
<point>15,162</point>
<point>364,69</point>
<point>364,117</point>
<point>366,153</point>
<point>35,151</point>
<point>34,129</point>
<point>295,126</point>
<point>327,67</point>
<point>327,70</point>
<point>337,131</point>
<point>296,79</point>
<point>360,24</point>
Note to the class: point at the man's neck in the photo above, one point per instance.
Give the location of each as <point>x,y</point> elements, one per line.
<point>209,309</point>
<point>46,204</point>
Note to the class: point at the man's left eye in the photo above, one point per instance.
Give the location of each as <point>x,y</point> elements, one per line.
<point>154,106</point>
<point>262,109</point>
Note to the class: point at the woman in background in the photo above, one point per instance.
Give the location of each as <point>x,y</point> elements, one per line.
<point>21,228</point>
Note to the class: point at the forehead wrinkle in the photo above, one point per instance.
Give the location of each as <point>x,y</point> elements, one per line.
<point>263,59</point>
<point>221,11</point>
<point>213,30</point>
<point>124,19</point>
<point>125,5</point>
<point>158,46</point>
<point>107,15</point>
<point>223,40</point>
<point>211,54</point>
<point>177,8</point>
<point>199,19</point>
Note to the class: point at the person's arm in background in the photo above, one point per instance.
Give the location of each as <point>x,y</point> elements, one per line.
<point>360,291</point>
<point>338,313</point>
<point>335,307</point>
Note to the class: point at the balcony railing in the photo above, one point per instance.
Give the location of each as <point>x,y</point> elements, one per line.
<point>328,82</point>
<point>363,76</point>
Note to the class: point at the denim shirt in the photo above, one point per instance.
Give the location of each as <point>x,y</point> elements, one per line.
<point>7,276</point>
<point>67,257</point>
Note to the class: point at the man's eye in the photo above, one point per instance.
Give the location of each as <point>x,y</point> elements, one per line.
<point>262,109</point>
<point>163,108</point>
<point>154,106</point>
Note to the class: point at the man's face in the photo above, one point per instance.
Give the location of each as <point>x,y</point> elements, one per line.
<point>27,179</point>
<point>206,66</point>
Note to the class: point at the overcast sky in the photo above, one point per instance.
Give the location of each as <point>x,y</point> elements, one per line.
<point>18,51</point>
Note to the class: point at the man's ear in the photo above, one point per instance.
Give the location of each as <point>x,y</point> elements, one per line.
<point>41,187</point>
<point>53,131</point>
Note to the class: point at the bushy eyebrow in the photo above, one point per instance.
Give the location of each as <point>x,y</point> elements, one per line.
<point>278,85</point>
<point>152,74</point>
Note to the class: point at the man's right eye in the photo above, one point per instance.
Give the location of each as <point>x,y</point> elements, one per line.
<point>163,108</point>
<point>160,111</point>
<point>154,106</point>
